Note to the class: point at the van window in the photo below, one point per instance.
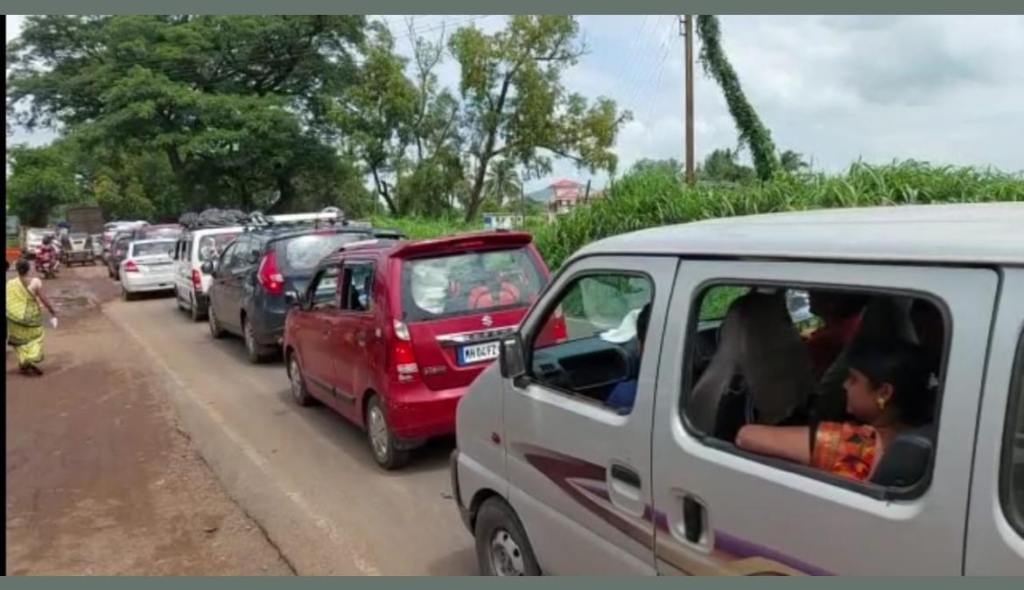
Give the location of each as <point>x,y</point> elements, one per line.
<point>590,344</point>
<point>469,282</point>
<point>357,286</point>
<point>212,245</point>
<point>1012,477</point>
<point>814,380</point>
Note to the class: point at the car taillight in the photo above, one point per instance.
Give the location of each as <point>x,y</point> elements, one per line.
<point>197,278</point>
<point>130,266</point>
<point>268,275</point>
<point>403,357</point>
<point>559,331</point>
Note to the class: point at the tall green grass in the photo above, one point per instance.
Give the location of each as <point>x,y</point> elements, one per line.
<point>654,197</point>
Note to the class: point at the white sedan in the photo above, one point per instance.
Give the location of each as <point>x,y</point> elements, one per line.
<point>148,267</point>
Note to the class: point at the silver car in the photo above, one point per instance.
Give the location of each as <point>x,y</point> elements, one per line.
<point>717,430</point>
<point>148,267</point>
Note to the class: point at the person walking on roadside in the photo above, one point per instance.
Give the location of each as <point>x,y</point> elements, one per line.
<point>25,318</point>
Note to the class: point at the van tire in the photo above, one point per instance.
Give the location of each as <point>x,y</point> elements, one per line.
<point>388,454</point>
<point>498,529</point>
<point>126,295</point>
<point>195,312</point>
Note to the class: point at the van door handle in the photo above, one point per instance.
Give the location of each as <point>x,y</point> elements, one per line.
<point>694,519</point>
<point>626,475</point>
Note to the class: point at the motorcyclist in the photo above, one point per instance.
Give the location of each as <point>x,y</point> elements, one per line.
<point>46,256</point>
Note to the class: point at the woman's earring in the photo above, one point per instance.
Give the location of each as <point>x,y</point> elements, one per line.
<point>881,403</point>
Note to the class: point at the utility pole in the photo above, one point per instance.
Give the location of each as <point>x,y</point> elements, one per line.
<point>687,32</point>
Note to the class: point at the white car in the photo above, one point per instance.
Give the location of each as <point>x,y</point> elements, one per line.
<point>193,247</point>
<point>148,267</point>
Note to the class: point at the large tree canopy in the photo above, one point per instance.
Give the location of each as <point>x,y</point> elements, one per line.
<point>232,102</point>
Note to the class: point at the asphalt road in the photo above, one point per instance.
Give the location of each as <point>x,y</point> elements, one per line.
<point>305,475</point>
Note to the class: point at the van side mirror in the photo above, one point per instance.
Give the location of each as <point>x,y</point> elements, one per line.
<point>208,267</point>
<point>254,256</point>
<point>291,298</point>
<point>511,358</point>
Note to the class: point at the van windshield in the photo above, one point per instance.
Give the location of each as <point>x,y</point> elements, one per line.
<point>469,282</point>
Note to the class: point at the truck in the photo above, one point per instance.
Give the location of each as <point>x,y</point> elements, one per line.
<point>85,225</point>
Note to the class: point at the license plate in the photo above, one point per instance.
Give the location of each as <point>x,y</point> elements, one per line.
<point>477,353</point>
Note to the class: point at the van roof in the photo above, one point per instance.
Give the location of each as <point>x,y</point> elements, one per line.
<point>977,233</point>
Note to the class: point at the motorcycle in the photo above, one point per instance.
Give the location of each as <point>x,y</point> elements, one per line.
<point>47,262</point>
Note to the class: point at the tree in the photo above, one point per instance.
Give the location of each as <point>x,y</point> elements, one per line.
<point>721,166</point>
<point>40,181</point>
<point>752,132</point>
<point>514,104</point>
<point>791,161</point>
<point>502,183</point>
<point>234,103</point>
<point>670,165</point>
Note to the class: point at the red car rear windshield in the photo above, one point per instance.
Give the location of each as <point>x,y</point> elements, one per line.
<point>469,282</point>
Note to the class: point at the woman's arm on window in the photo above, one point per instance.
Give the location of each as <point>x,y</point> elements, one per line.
<point>786,442</point>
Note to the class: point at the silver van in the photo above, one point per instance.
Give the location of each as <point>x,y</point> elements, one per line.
<point>821,392</point>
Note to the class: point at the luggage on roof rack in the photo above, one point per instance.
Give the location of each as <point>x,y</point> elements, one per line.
<point>214,218</point>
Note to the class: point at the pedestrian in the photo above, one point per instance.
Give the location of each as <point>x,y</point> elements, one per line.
<point>25,318</point>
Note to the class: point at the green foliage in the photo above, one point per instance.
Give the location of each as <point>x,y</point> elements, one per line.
<point>721,166</point>
<point>515,107</point>
<point>652,198</point>
<point>40,181</point>
<point>752,132</point>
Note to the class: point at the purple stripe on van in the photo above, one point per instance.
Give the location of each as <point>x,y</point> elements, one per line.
<point>743,548</point>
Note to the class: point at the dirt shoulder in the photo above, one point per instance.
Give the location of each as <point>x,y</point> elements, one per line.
<point>100,479</point>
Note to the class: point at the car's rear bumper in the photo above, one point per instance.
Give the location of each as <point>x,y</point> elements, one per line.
<point>137,283</point>
<point>420,413</point>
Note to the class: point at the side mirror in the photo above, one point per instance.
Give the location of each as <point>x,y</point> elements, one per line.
<point>291,298</point>
<point>510,357</point>
<point>208,267</point>
<point>254,256</point>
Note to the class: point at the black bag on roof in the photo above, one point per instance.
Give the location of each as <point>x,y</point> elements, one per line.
<point>214,218</point>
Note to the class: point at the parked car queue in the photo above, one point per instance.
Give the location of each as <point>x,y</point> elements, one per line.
<point>612,436</point>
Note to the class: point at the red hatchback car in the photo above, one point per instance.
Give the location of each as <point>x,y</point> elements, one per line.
<point>391,333</point>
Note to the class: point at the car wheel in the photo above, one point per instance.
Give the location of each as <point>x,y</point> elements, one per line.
<point>257,354</point>
<point>382,441</point>
<point>298,382</point>
<point>127,295</point>
<point>215,330</point>
<point>502,548</point>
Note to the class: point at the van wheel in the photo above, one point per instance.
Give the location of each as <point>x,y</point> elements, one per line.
<point>257,354</point>
<point>195,312</point>
<point>127,295</point>
<point>298,383</point>
<point>382,441</point>
<point>215,330</point>
<point>502,548</point>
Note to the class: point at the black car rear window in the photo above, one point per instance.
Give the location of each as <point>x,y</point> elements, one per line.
<point>301,254</point>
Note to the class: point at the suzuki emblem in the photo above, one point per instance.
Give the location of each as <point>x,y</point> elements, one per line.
<point>487,321</point>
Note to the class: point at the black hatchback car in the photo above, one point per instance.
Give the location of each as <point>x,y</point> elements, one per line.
<point>253,273</point>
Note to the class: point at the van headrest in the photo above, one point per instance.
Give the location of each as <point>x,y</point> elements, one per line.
<point>758,342</point>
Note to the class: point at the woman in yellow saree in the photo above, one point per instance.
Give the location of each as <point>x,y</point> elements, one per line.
<point>25,318</point>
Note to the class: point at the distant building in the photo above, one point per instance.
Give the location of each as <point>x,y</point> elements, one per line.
<point>502,220</point>
<point>562,196</point>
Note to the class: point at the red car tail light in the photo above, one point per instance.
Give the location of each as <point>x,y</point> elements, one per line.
<point>197,279</point>
<point>403,357</point>
<point>130,266</point>
<point>269,277</point>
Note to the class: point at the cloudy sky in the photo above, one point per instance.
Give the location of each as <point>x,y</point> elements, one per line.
<point>943,89</point>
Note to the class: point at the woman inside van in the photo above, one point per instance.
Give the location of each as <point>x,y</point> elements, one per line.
<point>887,393</point>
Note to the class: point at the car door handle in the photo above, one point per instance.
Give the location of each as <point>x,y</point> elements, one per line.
<point>626,475</point>
<point>695,516</point>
